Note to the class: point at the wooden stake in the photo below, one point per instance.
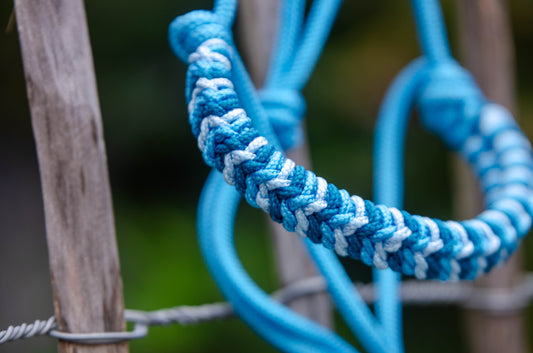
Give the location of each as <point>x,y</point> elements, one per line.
<point>258,20</point>
<point>67,126</point>
<point>488,53</point>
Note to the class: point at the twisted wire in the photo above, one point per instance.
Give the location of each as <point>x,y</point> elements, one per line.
<point>412,292</point>
<point>37,328</point>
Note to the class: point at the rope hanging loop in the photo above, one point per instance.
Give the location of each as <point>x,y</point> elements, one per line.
<point>377,235</point>
<point>187,32</point>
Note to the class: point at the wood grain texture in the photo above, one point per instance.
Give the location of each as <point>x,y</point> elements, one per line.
<point>67,126</point>
<point>487,51</point>
<point>258,24</point>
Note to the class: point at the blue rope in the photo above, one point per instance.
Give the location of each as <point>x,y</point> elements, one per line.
<point>320,20</point>
<point>279,88</point>
<point>356,313</point>
<point>354,227</point>
<point>389,140</point>
<point>451,105</point>
<point>290,23</point>
<point>225,11</point>
<point>278,324</point>
<point>282,78</point>
<point>351,306</point>
<point>431,30</point>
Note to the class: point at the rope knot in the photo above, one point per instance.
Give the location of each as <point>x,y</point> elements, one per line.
<point>186,33</point>
<point>450,103</point>
<point>285,109</point>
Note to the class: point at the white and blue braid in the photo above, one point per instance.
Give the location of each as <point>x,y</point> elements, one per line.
<point>310,206</point>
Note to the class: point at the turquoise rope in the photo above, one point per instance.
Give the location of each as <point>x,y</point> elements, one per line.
<point>290,23</point>
<point>353,309</point>
<point>389,141</point>
<point>320,20</point>
<point>275,322</point>
<point>358,316</point>
<point>351,306</point>
<point>344,289</point>
<point>355,312</point>
<point>226,11</point>
<point>472,247</point>
<point>431,30</point>
<point>487,131</point>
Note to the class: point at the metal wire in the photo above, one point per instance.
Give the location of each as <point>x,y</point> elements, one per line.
<point>413,292</point>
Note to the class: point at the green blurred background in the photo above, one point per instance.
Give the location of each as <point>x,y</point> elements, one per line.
<point>156,170</point>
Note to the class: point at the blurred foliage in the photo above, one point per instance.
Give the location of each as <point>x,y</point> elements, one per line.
<point>157,172</point>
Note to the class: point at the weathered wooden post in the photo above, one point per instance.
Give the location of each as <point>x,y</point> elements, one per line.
<point>258,19</point>
<point>67,126</point>
<point>488,53</point>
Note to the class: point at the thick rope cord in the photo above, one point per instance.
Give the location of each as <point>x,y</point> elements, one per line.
<point>441,102</point>
<point>318,26</point>
<point>290,22</point>
<point>281,102</point>
<point>276,323</point>
<point>451,105</point>
<point>389,141</point>
<point>356,313</point>
<point>380,236</point>
<point>431,30</point>
<point>226,10</point>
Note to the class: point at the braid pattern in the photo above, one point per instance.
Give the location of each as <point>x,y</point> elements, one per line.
<point>379,236</point>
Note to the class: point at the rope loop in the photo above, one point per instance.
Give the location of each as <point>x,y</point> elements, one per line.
<point>186,33</point>
<point>285,109</point>
<point>306,204</point>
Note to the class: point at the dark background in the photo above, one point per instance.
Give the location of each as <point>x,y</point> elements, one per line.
<point>156,170</point>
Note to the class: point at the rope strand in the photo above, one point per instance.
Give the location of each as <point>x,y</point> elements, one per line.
<point>432,248</point>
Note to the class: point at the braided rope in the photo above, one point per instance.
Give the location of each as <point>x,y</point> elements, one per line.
<point>277,110</point>
<point>310,206</point>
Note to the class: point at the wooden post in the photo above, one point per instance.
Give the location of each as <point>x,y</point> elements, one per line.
<point>258,20</point>
<point>488,53</point>
<point>67,126</point>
